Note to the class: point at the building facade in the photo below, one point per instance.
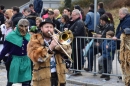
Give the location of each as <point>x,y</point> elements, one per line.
<point>22,3</point>
<point>10,3</point>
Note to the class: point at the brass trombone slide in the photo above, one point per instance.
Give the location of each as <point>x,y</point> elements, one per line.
<point>63,37</point>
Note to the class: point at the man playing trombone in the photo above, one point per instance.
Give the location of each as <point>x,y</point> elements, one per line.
<point>44,50</point>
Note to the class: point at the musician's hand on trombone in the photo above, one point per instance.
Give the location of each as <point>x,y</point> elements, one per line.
<point>53,43</point>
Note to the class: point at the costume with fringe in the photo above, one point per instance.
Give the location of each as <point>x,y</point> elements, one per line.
<point>41,70</point>
<point>125,58</point>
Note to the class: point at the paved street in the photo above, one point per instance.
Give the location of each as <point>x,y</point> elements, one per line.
<point>3,79</point>
<point>87,79</point>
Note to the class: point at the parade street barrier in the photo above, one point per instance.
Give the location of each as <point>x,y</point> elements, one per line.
<point>90,55</point>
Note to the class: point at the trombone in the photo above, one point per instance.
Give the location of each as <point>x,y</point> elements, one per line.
<point>65,37</point>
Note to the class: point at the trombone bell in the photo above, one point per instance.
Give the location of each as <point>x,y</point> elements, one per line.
<point>66,37</point>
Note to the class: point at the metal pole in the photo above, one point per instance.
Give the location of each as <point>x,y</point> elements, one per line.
<point>95,22</point>
<point>95,13</point>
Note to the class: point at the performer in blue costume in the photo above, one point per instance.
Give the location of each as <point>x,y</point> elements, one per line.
<point>18,65</point>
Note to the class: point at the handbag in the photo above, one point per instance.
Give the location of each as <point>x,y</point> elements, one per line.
<point>127,31</point>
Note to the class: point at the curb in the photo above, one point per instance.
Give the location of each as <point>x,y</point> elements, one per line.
<point>80,83</point>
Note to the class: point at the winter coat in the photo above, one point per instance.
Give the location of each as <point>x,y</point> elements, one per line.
<point>57,23</point>
<point>38,5</point>
<point>2,18</point>
<point>108,53</point>
<point>124,23</point>
<point>89,21</point>
<point>102,31</point>
<point>16,18</point>
<point>78,29</point>
<point>125,58</point>
<point>101,11</point>
<point>32,19</point>
<point>63,26</point>
<point>41,70</point>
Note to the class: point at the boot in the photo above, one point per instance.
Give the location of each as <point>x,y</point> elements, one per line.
<point>103,76</point>
<point>27,83</point>
<point>87,69</point>
<point>107,77</point>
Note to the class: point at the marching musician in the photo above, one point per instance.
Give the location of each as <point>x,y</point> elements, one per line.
<point>49,67</point>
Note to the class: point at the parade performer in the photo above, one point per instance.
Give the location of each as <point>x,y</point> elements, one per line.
<point>49,67</point>
<point>125,58</point>
<point>18,64</point>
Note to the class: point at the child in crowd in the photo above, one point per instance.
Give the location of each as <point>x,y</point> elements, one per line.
<point>8,29</point>
<point>108,50</point>
<point>5,29</point>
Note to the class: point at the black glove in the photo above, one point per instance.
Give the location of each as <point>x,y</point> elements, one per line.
<point>68,63</point>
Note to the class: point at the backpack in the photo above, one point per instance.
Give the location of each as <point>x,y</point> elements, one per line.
<point>38,6</point>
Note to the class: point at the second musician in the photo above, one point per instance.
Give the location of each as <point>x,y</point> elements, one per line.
<point>49,67</point>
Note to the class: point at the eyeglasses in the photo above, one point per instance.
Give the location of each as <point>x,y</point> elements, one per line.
<point>23,25</point>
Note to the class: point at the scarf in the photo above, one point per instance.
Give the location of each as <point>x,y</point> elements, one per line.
<point>16,38</point>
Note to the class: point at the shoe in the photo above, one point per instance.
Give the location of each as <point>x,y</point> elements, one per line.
<point>103,76</point>
<point>120,77</point>
<point>67,76</point>
<point>77,74</point>
<point>107,77</point>
<point>87,69</point>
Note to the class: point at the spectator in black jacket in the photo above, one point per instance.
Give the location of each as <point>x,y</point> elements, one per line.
<point>16,16</point>
<point>1,15</point>
<point>101,9</point>
<point>78,29</point>
<point>31,17</point>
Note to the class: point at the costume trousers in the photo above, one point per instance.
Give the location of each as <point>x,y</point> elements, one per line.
<point>54,80</point>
